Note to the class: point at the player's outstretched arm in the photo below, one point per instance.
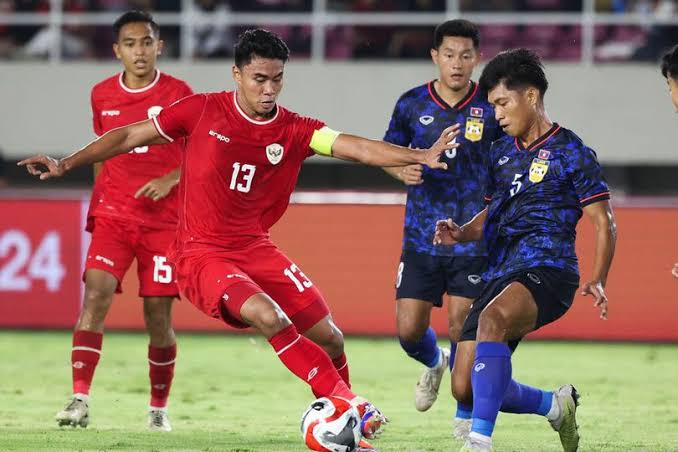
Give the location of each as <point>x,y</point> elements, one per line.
<point>381,153</point>
<point>602,217</point>
<point>112,143</point>
<point>448,232</point>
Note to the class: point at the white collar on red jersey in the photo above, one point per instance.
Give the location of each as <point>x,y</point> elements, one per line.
<point>139,90</point>
<point>254,121</point>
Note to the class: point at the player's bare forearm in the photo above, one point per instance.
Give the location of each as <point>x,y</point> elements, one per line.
<point>114,142</point>
<point>380,153</point>
<point>392,171</point>
<point>602,217</point>
<point>473,230</point>
<point>373,152</point>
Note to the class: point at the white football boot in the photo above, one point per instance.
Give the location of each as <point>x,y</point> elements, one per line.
<point>75,413</point>
<point>426,392</point>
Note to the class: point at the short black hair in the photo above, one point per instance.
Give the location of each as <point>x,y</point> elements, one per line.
<point>457,28</point>
<point>517,69</point>
<point>135,16</point>
<point>261,43</point>
<point>670,63</point>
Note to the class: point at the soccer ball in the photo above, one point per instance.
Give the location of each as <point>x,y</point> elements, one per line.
<point>331,424</point>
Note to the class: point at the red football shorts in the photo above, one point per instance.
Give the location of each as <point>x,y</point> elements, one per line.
<point>114,246</point>
<point>212,278</point>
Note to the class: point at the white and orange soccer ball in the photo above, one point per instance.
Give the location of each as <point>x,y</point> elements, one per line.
<point>331,424</point>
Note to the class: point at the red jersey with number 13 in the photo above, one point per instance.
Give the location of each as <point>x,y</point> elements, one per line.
<point>115,105</point>
<point>238,173</point>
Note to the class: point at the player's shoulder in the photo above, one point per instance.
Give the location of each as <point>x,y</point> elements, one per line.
<point>571,142</point>
<point>105,86</point>
<point>414,94</point>
<point>298,119</point>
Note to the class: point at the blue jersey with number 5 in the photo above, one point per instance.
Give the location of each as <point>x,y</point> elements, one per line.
<point>536,195</point>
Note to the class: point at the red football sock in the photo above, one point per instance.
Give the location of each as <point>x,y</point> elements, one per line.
<point>84,359</point>
<point>161,370</point>
<point>309,362</point>
<point>341,364</point>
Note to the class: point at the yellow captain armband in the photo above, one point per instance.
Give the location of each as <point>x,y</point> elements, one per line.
<point>322,141</point>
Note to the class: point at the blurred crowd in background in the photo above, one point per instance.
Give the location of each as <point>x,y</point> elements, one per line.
<point>213,37</point>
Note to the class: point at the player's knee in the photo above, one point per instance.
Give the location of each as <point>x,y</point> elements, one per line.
<point>411,329</point>
<point>158,319</point>
<point>270,320</point>
<point>454,332</point>
<point>333,342</point>
<point>97,299</point>
<point>493,325</point>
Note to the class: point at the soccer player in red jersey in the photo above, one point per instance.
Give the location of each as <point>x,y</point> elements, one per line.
<point>132,214</point>
<point>670,72</point>
<point>240,165</point>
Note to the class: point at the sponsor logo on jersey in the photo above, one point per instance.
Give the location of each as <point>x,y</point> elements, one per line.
<point>503,160</point>
<point>426,119</point>
<point>477,112</point>
<point>474,129</point>
<point>479,367</point>
<point>154,111</point>
<point>110,113</point>
<point>105,260</point>
<point>236,275</point>
<point>474,279</point>
<point>538,170</point>
<point>274,153</point>
<point>544,154</point>
<point>219,136</point>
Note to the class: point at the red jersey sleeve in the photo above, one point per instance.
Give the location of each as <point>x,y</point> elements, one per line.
<point>96,117</point>
<point>180,119</point>
<point>304,128</point>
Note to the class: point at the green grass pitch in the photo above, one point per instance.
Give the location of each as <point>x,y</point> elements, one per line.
<point>230,393</point>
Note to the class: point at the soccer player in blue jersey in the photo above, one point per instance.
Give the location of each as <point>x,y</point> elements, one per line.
<point>542,178</point>
<point>670,72</point>
<point>427,272</point>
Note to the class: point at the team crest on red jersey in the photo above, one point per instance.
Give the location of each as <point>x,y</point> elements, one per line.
<point>274,152</point>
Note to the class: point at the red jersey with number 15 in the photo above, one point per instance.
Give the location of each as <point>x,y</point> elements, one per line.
<point>237,173</point>
<point>115,105</point>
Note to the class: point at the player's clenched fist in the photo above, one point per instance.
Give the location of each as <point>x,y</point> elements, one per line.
<point>43,166</point>
<point>447,233</point>
<point>411,174</point>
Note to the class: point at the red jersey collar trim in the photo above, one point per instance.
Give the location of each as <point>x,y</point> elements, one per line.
<point>139,90</point>
<point>539,141</point>
<point>459,105</point>
<point>254,121</point>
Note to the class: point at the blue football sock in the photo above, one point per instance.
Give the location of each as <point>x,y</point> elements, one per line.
<point>490,376</point>
<point>521,399</point>
<point>463,411</point>
<point>425,350</point>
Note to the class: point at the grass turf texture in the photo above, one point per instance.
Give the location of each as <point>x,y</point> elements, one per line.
<point>232,394</point>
